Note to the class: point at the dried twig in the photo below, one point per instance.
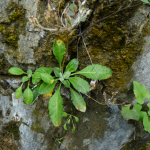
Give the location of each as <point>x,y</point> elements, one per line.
<point>70,23</point>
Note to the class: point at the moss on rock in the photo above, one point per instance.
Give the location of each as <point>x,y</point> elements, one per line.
<point>14,25</point>
<point>112,43</point>
<point>13,128</point>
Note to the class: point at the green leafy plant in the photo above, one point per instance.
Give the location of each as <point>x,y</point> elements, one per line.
<point>45,79</point>
<point>45,83</point>
<point>136,112</point>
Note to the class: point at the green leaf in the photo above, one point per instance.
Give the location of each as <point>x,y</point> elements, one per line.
<point>68,121</point>
<point>96,72</point>
<point>80,84</point>
<point>137,107</point>
<point>65,126</point>
<point>46,78</point>
<point>27,96</point>
<point>16,71</point>
<point>25,78</point>
<point>72,65</point>
<point>61,79</point>
<point>55,107</point>
<point>71,11</point>
<point>18,92</point>
<point>140,92</point>
<point>36,78</point>
<point>65,114</point>
<point>149,108</point>
<point>61,76</point>
<point>128,113</point>
<point>56,71</point>
<point>59,50</point>
<point>74,128</point>
<point>44,70</point>
<point>45,87</point>
<point>146,123</point>
<point>146,1</point>
<point>148,105</point>
<point>76,118</point>
<point>149,112</point>
<point>29,73</point>
<point>66,75</point>
<point>66,83</point>
<point>72,7</point>
<point>35,90</point>
<point>78,101</point>
<point>83,19</point>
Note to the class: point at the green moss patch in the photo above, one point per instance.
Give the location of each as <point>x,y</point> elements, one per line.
<point>14,25</point>
<point>112,43</point>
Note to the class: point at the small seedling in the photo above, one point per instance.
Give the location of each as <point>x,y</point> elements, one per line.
<point>70,120</point>
<point>59,140</point>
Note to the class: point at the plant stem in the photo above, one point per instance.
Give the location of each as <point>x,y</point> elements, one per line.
<point>65,53</point>
<point>73,74</point>
<point>101,103</point>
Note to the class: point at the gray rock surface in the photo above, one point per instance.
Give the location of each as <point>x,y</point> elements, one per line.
<point>118,133</point>
<point>141,66</point>
<point>29,139</point>
<point>101,127</point>
<point>27,42</point>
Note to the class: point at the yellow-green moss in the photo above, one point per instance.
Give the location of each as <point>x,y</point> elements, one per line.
<point>113,44</point>
<point>2,27</point>
<point>36,125</point>
<point>15,24</point>
<point>11,35</point>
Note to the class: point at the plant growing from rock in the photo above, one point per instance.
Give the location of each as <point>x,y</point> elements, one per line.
<point>136,112</point>
<point>42,77</point>
<point>45,83</point>
<point>70,120</point>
